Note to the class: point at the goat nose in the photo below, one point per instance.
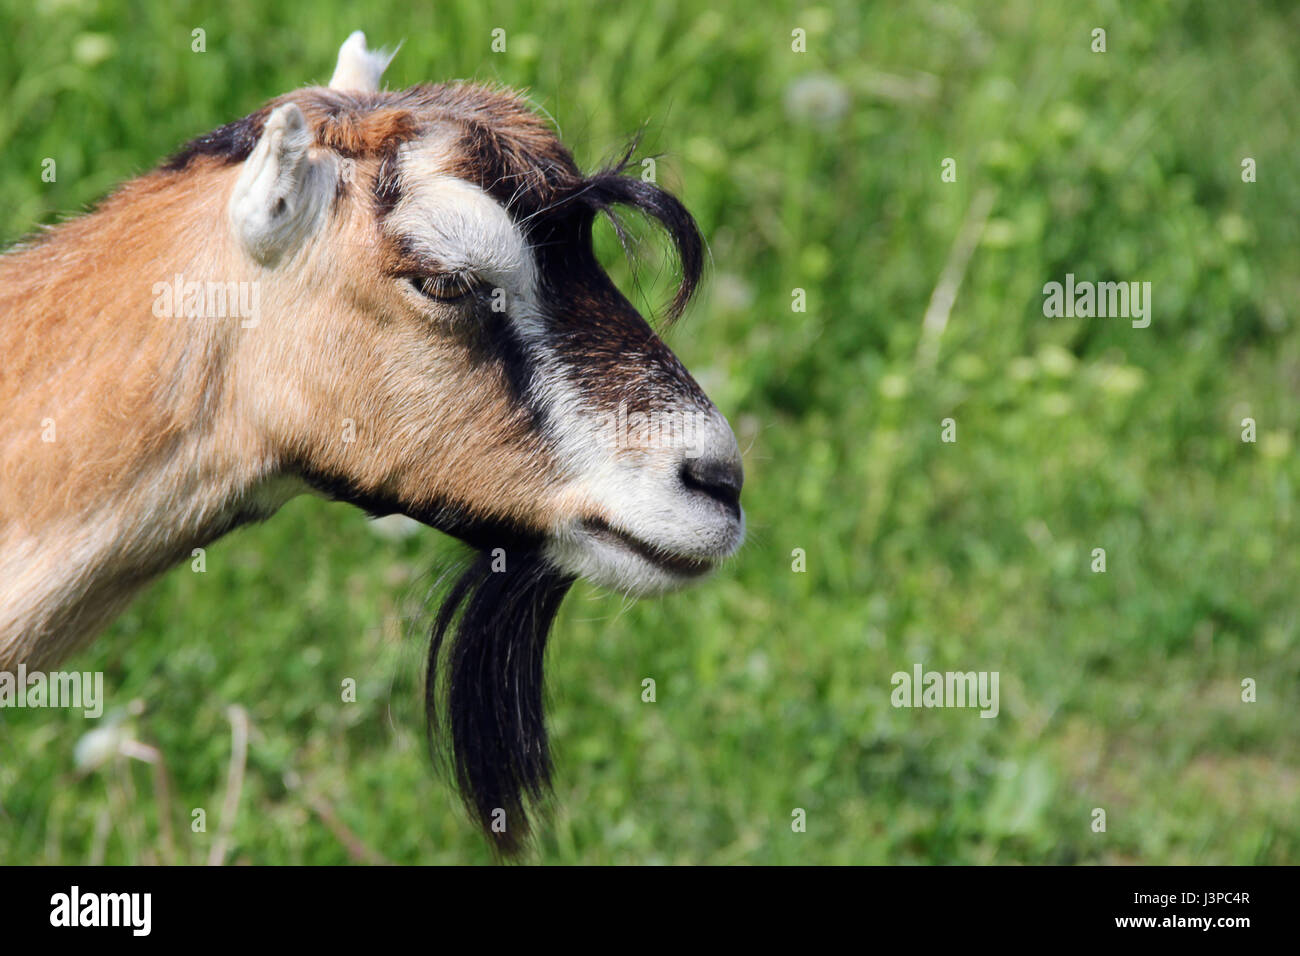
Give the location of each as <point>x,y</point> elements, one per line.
<point>719,478</point>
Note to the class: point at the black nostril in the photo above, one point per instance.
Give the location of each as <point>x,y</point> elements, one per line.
<point>718,478</point>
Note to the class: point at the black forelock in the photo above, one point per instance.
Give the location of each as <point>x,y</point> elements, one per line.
<point>565,213</point>
<point>611,188</point>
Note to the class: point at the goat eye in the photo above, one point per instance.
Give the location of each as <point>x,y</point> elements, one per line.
<point>444,287</point>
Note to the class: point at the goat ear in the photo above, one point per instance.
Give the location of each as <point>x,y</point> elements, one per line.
<point>359,69</point>
<point>282,192</point>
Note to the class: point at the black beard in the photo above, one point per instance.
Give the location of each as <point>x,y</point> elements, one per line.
<point>485,707</point>
<point>488,697</point>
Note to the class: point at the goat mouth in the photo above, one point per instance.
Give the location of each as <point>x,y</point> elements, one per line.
<point>675,563</point>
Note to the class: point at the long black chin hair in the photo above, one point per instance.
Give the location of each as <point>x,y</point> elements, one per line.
<point>483,687</point>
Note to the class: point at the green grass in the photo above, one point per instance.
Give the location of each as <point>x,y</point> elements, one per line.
<point>1118,690</point>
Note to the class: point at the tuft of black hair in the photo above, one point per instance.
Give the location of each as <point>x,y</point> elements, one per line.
<point>483,688</point>
<point>232,143</point>
<point>612,186</point>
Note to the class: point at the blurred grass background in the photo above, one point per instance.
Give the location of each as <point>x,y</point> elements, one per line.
<point>818,171</point>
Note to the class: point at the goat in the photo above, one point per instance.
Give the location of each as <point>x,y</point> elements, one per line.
<point>433,336</point>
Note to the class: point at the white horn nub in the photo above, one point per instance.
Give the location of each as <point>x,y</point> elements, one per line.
<point>359,69</point>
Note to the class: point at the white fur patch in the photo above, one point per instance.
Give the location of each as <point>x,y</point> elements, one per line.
<point>359,69</point>
<point>464,229</point>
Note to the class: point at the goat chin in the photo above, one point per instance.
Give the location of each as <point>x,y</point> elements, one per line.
<point>483,688</point>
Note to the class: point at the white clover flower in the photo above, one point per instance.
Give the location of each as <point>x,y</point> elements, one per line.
<point>818,98</point>
<point>91,49</point>
<point>99,746</point>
